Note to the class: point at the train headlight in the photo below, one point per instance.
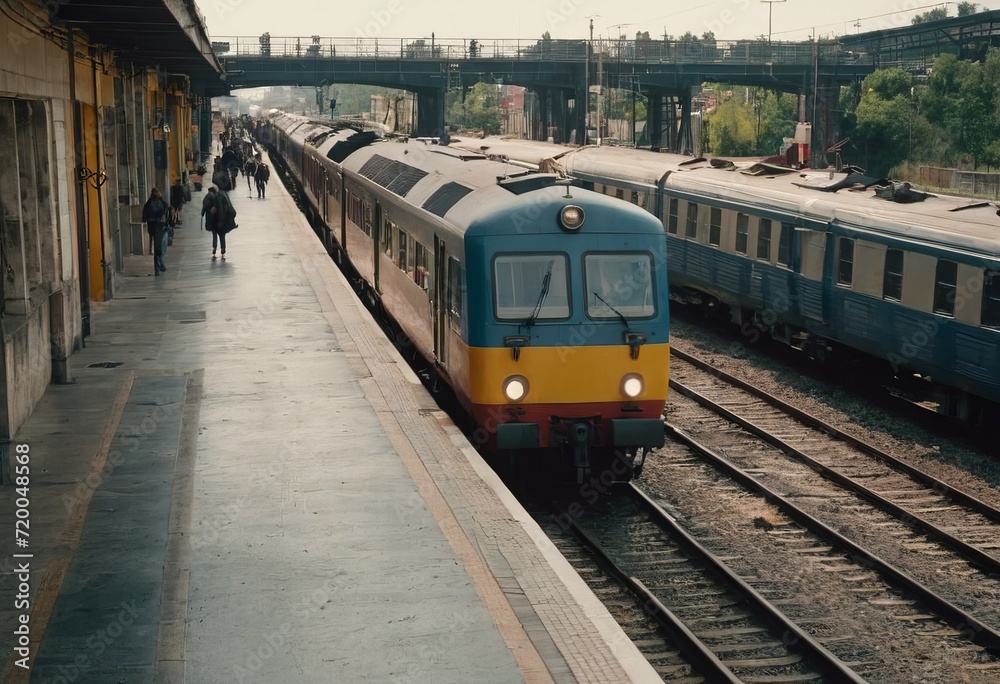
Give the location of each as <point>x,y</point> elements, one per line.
<point>571,217</point>
<point>632,385</point>
<point>515,388</point>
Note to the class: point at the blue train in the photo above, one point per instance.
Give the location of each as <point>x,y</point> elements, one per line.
<point>820,260</point>
<point>544,306</point>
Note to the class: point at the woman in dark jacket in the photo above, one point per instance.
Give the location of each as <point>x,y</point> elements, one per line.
<point>154,213</point>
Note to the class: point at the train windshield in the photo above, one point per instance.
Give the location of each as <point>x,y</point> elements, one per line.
<point>531,286</point>
<point>619,284</point>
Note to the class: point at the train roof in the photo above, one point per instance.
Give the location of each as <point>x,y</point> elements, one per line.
<point>945,220</point>
<point>468,188</point>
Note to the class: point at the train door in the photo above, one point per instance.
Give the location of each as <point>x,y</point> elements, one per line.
<point>439,300</point>
<point>343,210</point>
<point>376,246</point>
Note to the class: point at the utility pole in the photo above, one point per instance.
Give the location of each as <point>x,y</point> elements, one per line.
<point>770,6</point>
<point>590,49</point>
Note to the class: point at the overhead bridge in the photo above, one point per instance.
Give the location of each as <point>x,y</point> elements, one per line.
<point>562,71</point>
<point>558,70</point>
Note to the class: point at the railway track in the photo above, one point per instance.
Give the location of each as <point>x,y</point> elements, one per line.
<point>711,623</point>
<point>942,543</point>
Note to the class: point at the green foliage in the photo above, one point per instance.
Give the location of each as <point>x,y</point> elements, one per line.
<point>732,130</point>
<point>357,99</point>
<point>967,8</point>
<point>751,122</point>
<point>478,111</point>
<point>931,15</point>
<point>888,83</point>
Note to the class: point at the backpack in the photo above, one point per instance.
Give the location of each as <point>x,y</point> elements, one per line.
<point>228,221</point>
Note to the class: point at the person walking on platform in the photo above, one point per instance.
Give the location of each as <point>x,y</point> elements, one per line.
<point>154,213</point>
<point>262,175</point>
<point>249,170</point>
<point>220,219</point>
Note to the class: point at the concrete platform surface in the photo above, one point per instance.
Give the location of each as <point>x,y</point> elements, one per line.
<point>247,484</point>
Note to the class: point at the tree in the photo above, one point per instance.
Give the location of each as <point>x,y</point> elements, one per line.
<point>731,130</point>
<point>931,15</point>
<point>967,8</point>
<point>642,35</point>
<point>480,110</point>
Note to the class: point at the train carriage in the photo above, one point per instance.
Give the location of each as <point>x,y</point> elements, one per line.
<point>802,256</point>
<point>542,304</point>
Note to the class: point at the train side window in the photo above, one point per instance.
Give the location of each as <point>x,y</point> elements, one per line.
<point>945,284</point>
<point>742,233</point>
<point>785,244</point>
<point>619,193</point>
<point>764,239</point>
<point>672,218</point>
<point>531,286</point>
<point>991,301</point>
<point>403,253</point>
<point>420,258</point>
<point>715,227</point>
<point>454,289</point>
<point>845,262</point>
<point>387,230</point>
<point>635,197</point>
<point>691,229</point>
<point>892,276</point>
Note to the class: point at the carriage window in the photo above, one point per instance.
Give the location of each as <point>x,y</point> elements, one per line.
<point>692,220</point>
<point>402,254</point>
<point>454,289</point>
<point>892,277</point>
<point>420,273</point>
<point>387,227</point>
<point>764,239</point>
<point>715,227</point>
<point>742,232</point>
<point>991,301</point>
<point>785,244</point>
<point>845,267</point>
<point>531,285</point>
<point>945,282</point>
<point>672,220</point>
<point>619,284</point>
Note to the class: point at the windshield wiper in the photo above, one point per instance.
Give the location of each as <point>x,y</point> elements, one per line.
<point>620,315</point>
<point>541,297</point>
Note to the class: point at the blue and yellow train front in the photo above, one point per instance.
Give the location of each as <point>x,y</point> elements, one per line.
<point>569,335</point>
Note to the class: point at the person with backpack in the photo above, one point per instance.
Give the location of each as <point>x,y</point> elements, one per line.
<point>220,218</point>
<point>262,175</point>
<point>154,214</point>
<point>250,171</point>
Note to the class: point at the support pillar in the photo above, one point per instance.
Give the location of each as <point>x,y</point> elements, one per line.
<point>430,112</point>
<point>685,141</point>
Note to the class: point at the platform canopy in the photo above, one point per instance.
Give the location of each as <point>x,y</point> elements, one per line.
<point>168,33</point>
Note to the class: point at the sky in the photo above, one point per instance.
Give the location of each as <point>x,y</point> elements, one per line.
<point>566,19</point>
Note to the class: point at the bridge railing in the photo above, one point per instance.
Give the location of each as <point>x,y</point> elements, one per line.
<point>638,51</point>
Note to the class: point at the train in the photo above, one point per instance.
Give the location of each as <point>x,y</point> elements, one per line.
<point>834,263</point>
<point>542,305</point>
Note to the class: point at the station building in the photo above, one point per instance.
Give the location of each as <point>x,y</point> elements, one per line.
<point>98,104</point>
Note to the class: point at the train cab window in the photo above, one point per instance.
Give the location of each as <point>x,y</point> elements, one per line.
<point>455,289</point>
<point>619,284</point>
<point>845,262</point>
<point>534,286</point>
<point>691,229</point>
<point>715,227</point>
<point>742,233</point>
<point>672,218</point>
<point>892,276</point>
<point>991,300</point>
<point>764,239</point>
<point>945,284</point>
<point>785,244</point>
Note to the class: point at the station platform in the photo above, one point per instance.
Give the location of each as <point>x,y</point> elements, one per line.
<point>246,483</point>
